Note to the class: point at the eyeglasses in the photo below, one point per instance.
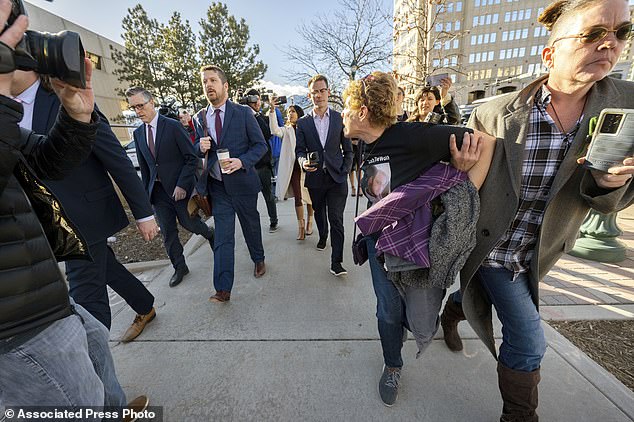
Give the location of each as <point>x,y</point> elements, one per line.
<point>137,107</point>
<point>319,91</point>
<point>623,33</point>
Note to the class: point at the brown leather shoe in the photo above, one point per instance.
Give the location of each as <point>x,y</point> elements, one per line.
<point>221,296</point>
<point>137,405</point>
<point>139,323</point>
<point>260,269</point>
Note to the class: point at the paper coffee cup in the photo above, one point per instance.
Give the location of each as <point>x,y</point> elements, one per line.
<point>223,156</point>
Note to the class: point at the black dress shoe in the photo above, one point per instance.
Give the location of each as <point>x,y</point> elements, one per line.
<point>178,276</point>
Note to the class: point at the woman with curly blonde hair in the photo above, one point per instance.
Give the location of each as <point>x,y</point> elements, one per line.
<point>396,156</point>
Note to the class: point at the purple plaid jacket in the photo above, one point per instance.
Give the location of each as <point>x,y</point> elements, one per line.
<point>404,217</point>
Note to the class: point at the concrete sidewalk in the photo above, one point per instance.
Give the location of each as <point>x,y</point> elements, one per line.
<point>300,344</point>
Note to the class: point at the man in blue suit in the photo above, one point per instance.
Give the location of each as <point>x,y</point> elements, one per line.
<point>168,165</point>
<point>321,131</point>
<point>89,198</point>
<point>234,189</point>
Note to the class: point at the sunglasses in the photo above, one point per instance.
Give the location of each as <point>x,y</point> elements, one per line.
<point>137,107</point>
<point>623,33</point>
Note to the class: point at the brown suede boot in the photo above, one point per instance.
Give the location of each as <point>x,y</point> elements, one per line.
<point>519,394</point>
<point>449,319</point>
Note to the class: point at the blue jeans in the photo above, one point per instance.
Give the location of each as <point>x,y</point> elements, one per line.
<point>390,310</point>
<point>51,369</point>
<point>523,343</point>
<point>101,357</point>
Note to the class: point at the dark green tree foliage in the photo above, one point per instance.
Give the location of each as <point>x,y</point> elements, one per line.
<point>224,43</point>
<point>143,62</point>
<point>181,62</point>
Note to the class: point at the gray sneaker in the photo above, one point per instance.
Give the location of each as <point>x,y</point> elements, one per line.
<point>388,385</point>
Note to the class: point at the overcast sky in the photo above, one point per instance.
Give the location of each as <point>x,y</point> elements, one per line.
<point>272,23</point>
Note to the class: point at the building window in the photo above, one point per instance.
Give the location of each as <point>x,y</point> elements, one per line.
<point>456,44</point>
<point>493,36</point>
<point>457,26</point>
<point>95,59</point>
<point>502,54</point>
<point>458,6</point>
<point>496,16</point>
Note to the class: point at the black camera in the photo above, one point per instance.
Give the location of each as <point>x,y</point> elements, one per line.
<point>167,109</point>
<point>433,118</point>
<point>59,55</point>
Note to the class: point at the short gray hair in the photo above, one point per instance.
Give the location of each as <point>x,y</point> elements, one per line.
<point>147,95</point>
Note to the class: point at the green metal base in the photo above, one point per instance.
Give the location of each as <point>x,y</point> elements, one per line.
<point>601,250</point>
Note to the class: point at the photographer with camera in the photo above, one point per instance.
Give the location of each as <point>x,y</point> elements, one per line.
<point>38,322</point>
<point>264,167</point>
<point>436,106</point>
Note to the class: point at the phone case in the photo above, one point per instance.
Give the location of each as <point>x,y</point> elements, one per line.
<point>613,139</point>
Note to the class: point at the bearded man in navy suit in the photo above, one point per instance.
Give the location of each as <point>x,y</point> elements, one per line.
<point>168,169</point>
<point>234,190</point>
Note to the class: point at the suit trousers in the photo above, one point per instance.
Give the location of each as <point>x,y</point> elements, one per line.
<point>167,211</point>
<point>224,212</point>
<point>88,280</point>
<point>329,202</point>
<point>266,173</point>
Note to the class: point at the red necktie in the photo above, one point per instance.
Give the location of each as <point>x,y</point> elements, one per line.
<point>150,140</point>
<point>218,125</point>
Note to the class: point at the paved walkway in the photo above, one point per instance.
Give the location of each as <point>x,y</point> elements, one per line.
<point>579,289</point>
<point>300,344</point>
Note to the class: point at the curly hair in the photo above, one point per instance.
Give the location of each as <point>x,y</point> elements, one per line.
<point>558,11</point>
<point>377,92</point>
<point>416,117</point>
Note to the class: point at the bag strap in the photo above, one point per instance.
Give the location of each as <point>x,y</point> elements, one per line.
<point>360,148</point>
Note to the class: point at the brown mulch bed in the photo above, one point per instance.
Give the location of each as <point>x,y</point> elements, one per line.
<point>609,343</point>
<point>130,246</point>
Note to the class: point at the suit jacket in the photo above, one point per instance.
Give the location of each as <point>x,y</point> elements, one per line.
<point>242,136</point>
<point>87,193</point>
<point>337,155</point>
<point>175,162</point>
<point>572,193</point>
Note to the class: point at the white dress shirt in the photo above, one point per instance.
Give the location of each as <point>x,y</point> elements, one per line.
<point>322,124</point>
<point>27,98</point>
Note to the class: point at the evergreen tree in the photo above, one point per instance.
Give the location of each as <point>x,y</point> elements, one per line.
<point>224,43</point>
<point>181,61</point>
<point>143,62</point>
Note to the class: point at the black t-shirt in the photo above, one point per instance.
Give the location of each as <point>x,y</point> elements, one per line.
<point>402,153</point>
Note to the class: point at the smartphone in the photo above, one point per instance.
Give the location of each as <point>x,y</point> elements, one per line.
<point>264,98</point>
<point>281,100</point>
<point>434,80</point>
<point>613,139</point>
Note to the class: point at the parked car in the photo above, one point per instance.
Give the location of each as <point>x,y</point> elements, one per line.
<point>130,149</point>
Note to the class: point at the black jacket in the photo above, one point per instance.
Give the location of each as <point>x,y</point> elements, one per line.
<point>266,132</point>
<point>34,230</point>
<point>87,193</point>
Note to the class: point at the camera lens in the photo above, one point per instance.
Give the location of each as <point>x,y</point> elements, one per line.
<point>59,55</point>
<point>611,123</point>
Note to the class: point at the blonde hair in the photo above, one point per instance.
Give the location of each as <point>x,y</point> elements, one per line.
<point>377,92</point>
